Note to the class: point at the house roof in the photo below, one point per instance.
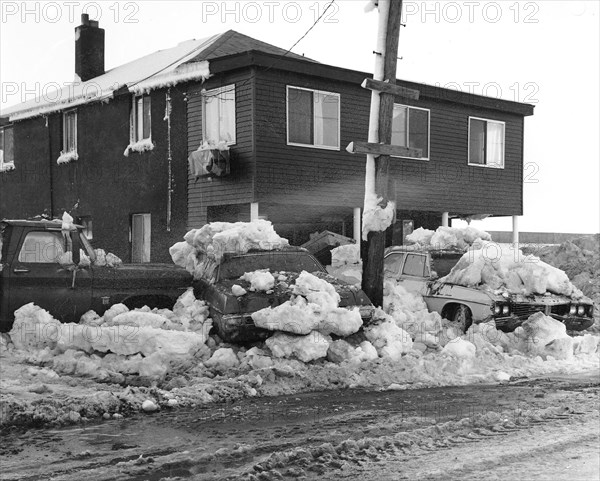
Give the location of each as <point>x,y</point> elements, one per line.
<point>186,61</point>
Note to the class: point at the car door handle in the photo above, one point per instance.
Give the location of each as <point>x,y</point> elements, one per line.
<point>20,271</point>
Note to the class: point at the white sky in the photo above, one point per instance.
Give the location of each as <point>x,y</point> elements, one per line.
<point>543,52</point>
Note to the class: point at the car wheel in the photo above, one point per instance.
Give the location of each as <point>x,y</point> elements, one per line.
<point>462,317</point>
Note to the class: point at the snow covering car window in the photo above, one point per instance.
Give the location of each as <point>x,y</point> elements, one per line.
<point>70,131</point>
<point>235,267</point>
<point>140,118</point>
<point>313,118</point>
<point>486,142</point>
<point>218,115</point>
<point>410,128</point>
<point>42,247</point>
<point>414,265</point>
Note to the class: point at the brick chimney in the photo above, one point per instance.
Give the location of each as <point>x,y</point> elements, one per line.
<point>89,49</point>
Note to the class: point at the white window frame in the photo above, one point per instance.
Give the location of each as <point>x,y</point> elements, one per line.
<point>287,120</point>
<point>214,93</point>
<point>503,147</point>
<point>65,143</point>
<point>408,131</point>
<point>133,122</point>
<point>3,163</point>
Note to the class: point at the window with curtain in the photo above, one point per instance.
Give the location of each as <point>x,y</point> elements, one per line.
<point>218,115</point>
<point>7,147</point>
<point>410,128</point>
<point>70,131</point>
<point>313,118</point>
<point>140,118</point>
<point>486,143</point>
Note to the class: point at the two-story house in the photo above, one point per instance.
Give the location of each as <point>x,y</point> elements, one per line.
<point>117,149</point>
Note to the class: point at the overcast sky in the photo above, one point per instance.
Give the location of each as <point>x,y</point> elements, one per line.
<point>545,53</point>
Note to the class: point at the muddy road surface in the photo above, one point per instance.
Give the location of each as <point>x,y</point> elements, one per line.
<point>547,428</point>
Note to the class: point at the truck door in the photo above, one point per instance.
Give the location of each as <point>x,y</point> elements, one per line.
<point>37,276</point>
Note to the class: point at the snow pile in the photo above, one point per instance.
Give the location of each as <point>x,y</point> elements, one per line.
<point>376,218</point>
<point>346,264</point>
<point>389,340</point>
<point>342,351</point>
<point>409,311</point>
<point>238,291</point>
<point>143,341</point>
<point>66,157</point>
<point>217,238</point>
<point>312,307</point>
<point>139,146</point>
<point>460,348</point>
<point>260,280</point>
<point>448,237</point>
<point>106,260</point>
<point>547,337</point>
<point>506,268</point>
<point>306,348</point>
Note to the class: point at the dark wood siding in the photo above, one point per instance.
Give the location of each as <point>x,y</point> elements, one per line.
<point>310,176</point>
<point>238,187</point>
<point>103,183</point>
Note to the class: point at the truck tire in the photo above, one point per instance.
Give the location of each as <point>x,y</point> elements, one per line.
<point>463,317</point>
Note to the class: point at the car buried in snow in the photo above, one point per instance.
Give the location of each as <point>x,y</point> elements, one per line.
<point>232,314</point>
<point>421,271</point>
<point>56,269</point>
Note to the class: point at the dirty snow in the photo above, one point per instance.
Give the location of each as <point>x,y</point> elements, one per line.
<point>314,306</point>
<point>448,237</point>
<point>376,218</point>
<point>260,280</point>
<point>499,266</point>
<point>212,241</point>
<point>140,146</point>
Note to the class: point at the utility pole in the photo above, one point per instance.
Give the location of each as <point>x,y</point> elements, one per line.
<point>372,280</point>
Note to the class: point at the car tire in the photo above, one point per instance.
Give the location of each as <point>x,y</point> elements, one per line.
<point>463,317</point>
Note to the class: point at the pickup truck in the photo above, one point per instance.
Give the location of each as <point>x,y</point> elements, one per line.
<point>33,269</point>
<point>422,272</point>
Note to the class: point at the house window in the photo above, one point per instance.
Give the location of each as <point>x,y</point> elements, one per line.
<point>486,143</point>
<point>140,118</point>
<point>218,115</point>
<point>70,131</point>
<point>313,118</point>
<point>410,128</point>
<point>140,238</point>
<point>7,148</point>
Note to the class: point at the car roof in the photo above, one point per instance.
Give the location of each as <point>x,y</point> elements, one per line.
<point>35,223</point>
<point>417,249</point>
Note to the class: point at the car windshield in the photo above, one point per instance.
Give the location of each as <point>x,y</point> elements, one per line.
<point>291,261</point>
<point>442,264</point>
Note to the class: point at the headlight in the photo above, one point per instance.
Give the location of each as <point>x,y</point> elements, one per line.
<point>497,309</point>
<point>591,311</point>
<point>505,310</point>
<point>573,309</point>
<point>581,310</point>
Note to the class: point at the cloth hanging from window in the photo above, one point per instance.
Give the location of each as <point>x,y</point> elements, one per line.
<point>209,161</point>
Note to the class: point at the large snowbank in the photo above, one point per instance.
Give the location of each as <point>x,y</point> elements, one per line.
<point>448,237</point>
<point>504,267</point>
<point>213,240</point>
<point>312,307</point>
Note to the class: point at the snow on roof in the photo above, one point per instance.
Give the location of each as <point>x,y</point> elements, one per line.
<point>186,61</point>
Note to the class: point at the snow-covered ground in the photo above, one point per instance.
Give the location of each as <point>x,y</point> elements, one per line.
<point>126,361</point>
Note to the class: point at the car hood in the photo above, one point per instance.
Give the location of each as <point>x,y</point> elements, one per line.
<point>220,297</point>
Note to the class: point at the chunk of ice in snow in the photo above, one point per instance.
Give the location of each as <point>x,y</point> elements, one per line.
<point>306,348</point>
<point>223,358</point>
<point>149,406</point>
<point>34,328</point>
<point>390,340</point>
<point>546,336</point>
<point>238,290</point>
<point>260,280</point>
<point>460,347</point>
